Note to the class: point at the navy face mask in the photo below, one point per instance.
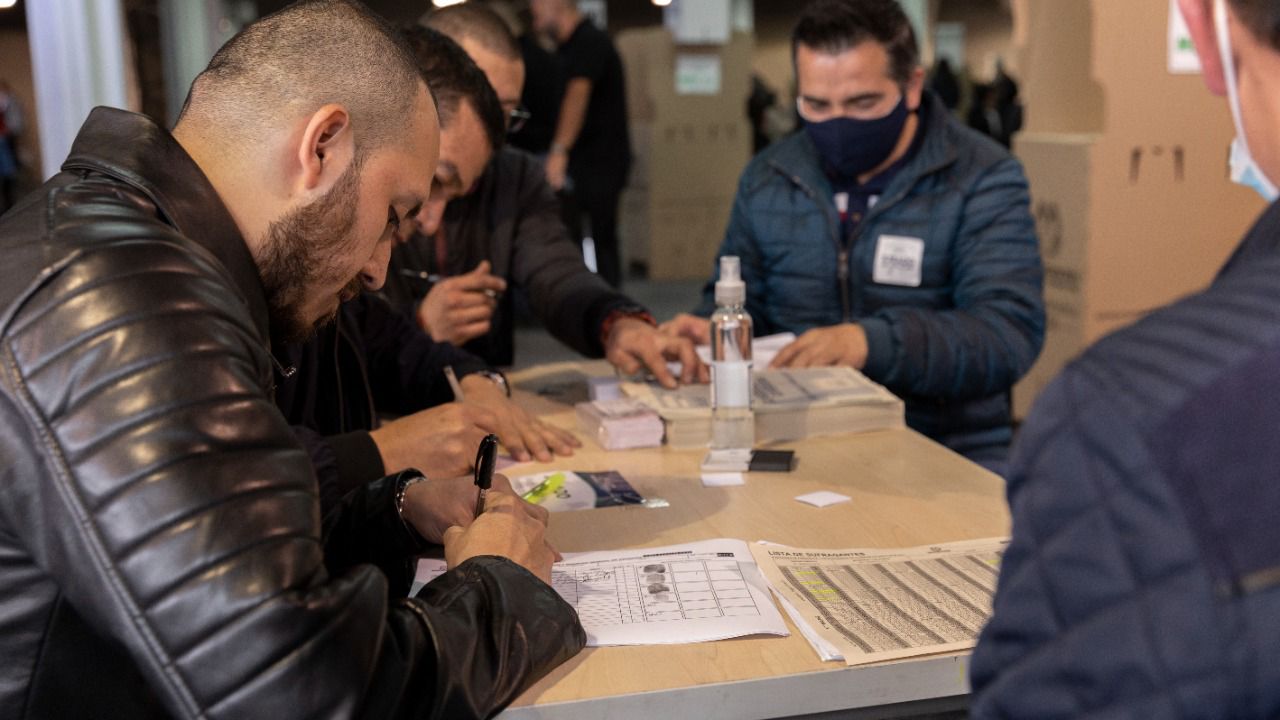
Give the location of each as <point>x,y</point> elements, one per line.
<point>850,147</point>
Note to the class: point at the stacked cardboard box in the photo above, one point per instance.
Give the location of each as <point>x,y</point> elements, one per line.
<point>1127,165</point>
<point>691,146</point>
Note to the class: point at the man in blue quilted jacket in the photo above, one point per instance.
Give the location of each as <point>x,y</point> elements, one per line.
<point>889,237</point>
<point>1143,578</point>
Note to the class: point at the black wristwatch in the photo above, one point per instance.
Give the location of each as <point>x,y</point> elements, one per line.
<point>496,378</point>
<point>407,480</point>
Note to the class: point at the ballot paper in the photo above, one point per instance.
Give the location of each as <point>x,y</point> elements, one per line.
<point>826,651</point>
<point>763,349</point>
<point>874,605</point>
<point>696,592</point>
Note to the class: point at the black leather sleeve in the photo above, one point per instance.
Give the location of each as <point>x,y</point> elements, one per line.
<point>342,463</point>
<point>178,515</point>
<point>524,626</point>
<point>364,527</point>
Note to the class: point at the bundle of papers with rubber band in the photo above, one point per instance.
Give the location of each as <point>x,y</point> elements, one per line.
<point>789,404</point>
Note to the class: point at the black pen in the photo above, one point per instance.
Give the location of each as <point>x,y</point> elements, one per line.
<point>424,276</point>
<point>435,279</point>
<point>486,459</point>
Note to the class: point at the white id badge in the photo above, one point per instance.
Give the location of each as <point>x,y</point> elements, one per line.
<point>899,261</point>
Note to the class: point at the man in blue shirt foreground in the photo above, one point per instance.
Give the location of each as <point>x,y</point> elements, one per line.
<point>1143,579</point>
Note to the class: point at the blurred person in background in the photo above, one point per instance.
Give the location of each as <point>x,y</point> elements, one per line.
<point>11,126</point>
<point>592,142</point>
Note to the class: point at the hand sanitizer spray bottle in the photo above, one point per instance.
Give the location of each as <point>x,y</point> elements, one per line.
<point>732,422</point>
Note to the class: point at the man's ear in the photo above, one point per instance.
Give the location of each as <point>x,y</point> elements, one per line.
<point>915,89</point>
<point>1199,17</point>
<point>326,149</point>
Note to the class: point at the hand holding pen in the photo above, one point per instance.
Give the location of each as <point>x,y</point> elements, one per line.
<point>486,460</point>
<point>503,525</point>
<point>443,503</point>
<point>460,308</point>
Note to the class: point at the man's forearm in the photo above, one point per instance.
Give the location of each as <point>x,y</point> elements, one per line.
<point>573,113</point>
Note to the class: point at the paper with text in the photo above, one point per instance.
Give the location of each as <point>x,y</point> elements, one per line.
<point>876,605</point>
<point>696,592</point>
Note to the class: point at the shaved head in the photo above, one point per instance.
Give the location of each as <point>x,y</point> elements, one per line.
<point>454,79</point>
<point>475,22</point>
<point>291,63</point>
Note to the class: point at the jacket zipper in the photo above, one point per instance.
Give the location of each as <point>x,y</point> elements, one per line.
<point>853,238</point>
<point>845,247</point>
<point>337,376</point>
<point>842,248</point>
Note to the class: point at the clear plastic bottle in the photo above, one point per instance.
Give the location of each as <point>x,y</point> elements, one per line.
<point>732,421</point>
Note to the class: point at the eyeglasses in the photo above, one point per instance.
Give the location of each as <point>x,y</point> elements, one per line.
<point>517,118</point>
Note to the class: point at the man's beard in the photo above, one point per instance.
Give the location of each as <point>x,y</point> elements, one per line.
<point>302,252</point>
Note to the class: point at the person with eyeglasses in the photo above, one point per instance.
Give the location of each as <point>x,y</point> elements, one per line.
<point>888,237</point>
<point>506,232</point>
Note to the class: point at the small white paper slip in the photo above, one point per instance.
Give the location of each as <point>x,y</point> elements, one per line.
<point>899,261</point>
<point>723,479</point>
<point>823,498</point>
<point>727,460</point>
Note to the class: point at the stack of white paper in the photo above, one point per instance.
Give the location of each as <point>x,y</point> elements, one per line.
<point>620,424</point>
<point>789,404</point>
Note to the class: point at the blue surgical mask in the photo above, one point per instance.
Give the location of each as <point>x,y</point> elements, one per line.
<point>850,147</point>
<point>1244,169</point>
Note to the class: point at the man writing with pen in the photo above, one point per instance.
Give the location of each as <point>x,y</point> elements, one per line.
<point>487,235</point>
<point>375,362</point>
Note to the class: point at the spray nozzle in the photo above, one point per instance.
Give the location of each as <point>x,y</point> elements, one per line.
<point>730,289</point>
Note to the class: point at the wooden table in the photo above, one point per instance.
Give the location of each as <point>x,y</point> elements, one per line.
<point>906,490</point>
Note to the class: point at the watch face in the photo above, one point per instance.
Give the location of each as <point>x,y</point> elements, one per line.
<point>498,379</point>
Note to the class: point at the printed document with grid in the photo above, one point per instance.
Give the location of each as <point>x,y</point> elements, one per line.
<point>872,605</point>
<point>695,592</point>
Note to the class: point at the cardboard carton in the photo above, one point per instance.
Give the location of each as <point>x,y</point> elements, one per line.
<point>1128,173</point>
<point>698,142</point>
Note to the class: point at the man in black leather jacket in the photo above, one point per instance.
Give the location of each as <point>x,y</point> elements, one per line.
<point>163,552</point>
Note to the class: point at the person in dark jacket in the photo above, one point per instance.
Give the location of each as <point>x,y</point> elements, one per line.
<point>374,361</point>
<point>540,96</point>
<point>590,155</point>
<point>507,230</point>
<point>889,237</point>
<point>1143,576</point>
<point>165,555</point>
<point>944,83</point>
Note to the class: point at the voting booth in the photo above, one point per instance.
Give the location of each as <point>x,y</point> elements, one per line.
<point>1126,153</point>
